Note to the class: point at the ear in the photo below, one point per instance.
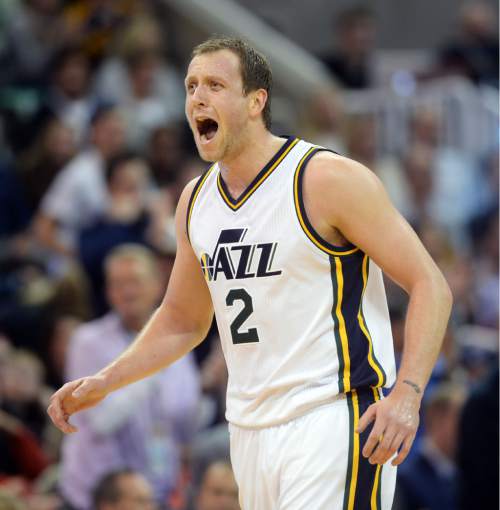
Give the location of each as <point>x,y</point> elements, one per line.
<point>257,102</point>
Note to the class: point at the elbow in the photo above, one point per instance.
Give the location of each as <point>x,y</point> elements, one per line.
<point>441,290</point>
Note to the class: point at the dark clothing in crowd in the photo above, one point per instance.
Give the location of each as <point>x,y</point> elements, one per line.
<point>478,447</point>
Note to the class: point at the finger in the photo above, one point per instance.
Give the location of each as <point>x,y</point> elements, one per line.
<point>81,390</point>
<point>59,418</point>
<point>389,448</point>
<point>375,436</point>
<point>383,446</point>
<point>405,449</point>
<point>368,416</point>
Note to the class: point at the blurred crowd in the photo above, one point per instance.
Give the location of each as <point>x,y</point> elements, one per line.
<point>94,152</point>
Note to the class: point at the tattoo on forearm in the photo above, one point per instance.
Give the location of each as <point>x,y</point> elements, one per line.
<point>415,386</point>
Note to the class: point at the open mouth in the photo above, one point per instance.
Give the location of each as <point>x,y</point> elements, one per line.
<point>207,128</point>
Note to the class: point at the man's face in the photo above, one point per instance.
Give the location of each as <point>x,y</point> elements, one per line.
<point>218,490</point>
<point>133,288</point>
<point>135,494</point>
<point>216,107</point>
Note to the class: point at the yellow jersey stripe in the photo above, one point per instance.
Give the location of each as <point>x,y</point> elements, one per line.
<point>363,327</point>
<point>300,216</point>
<point>355,452</point>
<point>250,192</point>
<point>376,482</point>
<point>342,327</point>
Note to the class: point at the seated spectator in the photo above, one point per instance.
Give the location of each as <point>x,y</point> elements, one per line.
<point>144,35</point>
<point>78,194</point>
<point>429,478</point>
<point>351,62</point>
<point>123,490</point>
<point>29,45</point>
<point>166,154</point>
<point>473,52</point>
<point>145,109</point>
<point>218,489</point>
<point>69,97</point>
<point>143,426</point>
<point>39,166</point>
<point>135,214</point>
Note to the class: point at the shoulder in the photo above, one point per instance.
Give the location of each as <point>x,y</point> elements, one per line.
<point>328,170</point>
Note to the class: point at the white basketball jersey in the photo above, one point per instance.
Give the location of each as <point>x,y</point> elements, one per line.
<point>300,320</point>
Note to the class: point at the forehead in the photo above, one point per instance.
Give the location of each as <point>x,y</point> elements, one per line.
<point>223,63</point>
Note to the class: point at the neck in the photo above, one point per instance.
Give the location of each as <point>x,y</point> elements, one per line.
<point>252,154</point>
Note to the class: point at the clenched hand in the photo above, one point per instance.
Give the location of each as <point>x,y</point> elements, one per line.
<point>75,396</point>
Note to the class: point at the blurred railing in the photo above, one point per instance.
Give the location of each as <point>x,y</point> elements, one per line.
<point>469,115</point>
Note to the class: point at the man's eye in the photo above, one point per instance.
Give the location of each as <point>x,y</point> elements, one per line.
<point>216,85</point>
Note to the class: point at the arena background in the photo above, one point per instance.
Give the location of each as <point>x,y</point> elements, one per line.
<point>408,88</point>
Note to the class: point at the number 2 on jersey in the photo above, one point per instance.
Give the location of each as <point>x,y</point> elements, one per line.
<point>250,335</point>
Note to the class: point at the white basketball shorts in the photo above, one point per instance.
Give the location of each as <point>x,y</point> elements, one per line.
<point>313,462</point>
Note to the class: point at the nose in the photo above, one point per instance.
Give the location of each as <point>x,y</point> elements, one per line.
<point>199,96</point>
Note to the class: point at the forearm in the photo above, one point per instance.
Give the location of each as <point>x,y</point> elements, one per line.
<point>426,321</point>
<point>163,340</point>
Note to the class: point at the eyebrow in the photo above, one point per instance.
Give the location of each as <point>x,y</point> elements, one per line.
<point>210,77</point>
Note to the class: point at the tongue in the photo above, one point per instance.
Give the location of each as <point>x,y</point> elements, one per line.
<point>210,133</point>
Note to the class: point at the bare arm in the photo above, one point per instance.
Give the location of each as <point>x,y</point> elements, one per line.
<point>177,326</point>
<point>352,200</point>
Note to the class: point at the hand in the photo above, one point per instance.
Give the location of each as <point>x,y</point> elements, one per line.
<point>73,397</point>
<point>396,422</point>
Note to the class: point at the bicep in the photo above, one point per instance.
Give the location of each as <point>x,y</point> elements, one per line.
<point>364,214</point>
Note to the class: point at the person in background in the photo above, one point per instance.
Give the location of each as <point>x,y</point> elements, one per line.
<point>79,194</point>
<point>429,478</point>
<point>473,52</point>
<point>478,445</point>
<point>69,97</point>
<point>52,150</point>
<point>123,490</point>
<point>145,426</point>
<point>135,214</point>
<point>218,489</point>
<point>351,63</point>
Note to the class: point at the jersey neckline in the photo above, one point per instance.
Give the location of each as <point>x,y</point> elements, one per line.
<point>236,203</point>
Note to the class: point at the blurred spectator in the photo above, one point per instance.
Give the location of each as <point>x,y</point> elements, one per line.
<point>473,52</point>
<point>78,194</point>
<point>351,62</point>
<point>68,97</point>
<point>29,44</point>
<point>14,211</point>
<point>145,109</point>
<point>218,489</point>
<point>166,154</point>
<point>459,192</point>
<point>94,23</point>
<point>135,214</point>
<point>429,478</point>
<point>478,446</point>
<point>361,145</point>
<point>52,150</point>
<point>149,87</point>
<point>323,120</point>
<point>123,490</point>
<point>142,426</point>
<point>11,502</point>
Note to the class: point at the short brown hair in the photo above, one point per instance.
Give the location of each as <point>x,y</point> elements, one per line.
<point>255,71</point>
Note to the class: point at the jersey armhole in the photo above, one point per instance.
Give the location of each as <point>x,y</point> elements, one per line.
<point>300,209</point>
<point>194,196</point>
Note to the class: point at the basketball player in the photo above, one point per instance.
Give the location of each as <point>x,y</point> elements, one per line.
<point>286,242</point>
